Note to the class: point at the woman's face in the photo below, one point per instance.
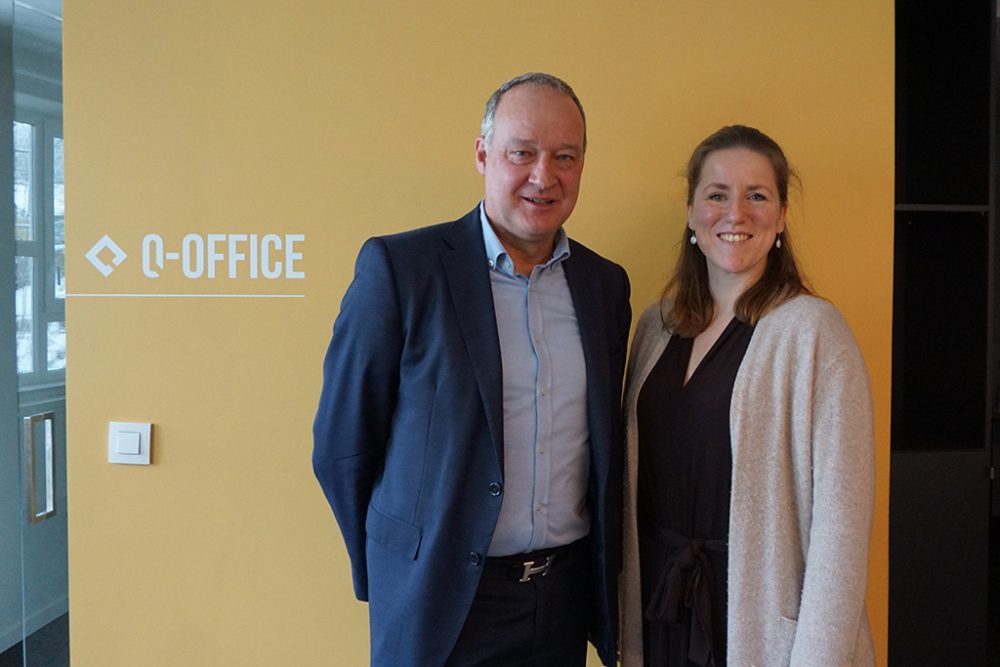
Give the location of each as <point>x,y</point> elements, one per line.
<point>736,214</point>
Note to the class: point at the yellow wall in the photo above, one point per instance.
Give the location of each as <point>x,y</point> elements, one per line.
<point>340,120</point>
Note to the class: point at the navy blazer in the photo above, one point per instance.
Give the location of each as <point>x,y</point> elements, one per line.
<point>409,432</point>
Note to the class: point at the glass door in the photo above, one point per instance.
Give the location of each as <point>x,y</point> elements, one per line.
<point>33,510</point>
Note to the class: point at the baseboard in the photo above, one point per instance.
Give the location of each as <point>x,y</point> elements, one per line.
<point>10,636</point>
<point>42,617</point>
<point>37,620</point>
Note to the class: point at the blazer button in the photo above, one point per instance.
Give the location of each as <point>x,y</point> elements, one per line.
<point>475,559</point>
<point>495,488</point>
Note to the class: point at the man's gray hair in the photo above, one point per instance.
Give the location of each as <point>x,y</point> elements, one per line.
<point>537,79</point>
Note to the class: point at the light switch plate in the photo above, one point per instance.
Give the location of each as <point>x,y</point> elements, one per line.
<point>130,442</point>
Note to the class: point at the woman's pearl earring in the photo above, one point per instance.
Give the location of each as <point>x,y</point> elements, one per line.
<point>694,239</point>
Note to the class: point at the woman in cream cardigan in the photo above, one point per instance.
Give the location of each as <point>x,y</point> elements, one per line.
<point>750,451</point>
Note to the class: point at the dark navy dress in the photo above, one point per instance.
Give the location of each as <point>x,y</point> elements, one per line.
<point>685,464</point>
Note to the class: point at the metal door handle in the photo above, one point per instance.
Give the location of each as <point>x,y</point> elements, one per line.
<point>36,515</point>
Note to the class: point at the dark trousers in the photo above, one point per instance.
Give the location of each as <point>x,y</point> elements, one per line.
<point>537,623</point>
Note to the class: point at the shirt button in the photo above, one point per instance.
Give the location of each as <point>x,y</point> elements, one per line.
<point>495,488</point>
<point>475,559</point>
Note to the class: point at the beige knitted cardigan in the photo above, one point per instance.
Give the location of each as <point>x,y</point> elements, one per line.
<point>802,486</point>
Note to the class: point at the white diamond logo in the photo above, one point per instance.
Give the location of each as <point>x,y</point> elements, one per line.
<point>117,255</point>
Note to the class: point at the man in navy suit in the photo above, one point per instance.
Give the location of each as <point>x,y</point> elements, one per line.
<point>468,436</point>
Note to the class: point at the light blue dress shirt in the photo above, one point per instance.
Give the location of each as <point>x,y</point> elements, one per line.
<point>546,433</point>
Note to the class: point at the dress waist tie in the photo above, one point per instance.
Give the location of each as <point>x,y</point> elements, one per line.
<point>683,584</point>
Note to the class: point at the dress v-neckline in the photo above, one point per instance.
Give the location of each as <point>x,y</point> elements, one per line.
<point>689,348</point>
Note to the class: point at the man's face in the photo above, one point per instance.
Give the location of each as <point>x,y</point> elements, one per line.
<point>532,166</point>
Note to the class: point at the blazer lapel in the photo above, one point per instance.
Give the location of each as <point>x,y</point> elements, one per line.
<point>465,267</point>
<point>590,318</point>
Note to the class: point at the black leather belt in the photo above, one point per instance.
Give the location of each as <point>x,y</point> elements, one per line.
<point>525,567</point>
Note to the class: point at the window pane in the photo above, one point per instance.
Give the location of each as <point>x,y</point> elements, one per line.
<point>57,346</point>
<point>58,233</point>
<point>59,261</point>
<point>22,136</point>
<point>57,177</point>
<point>23,181</point>
<point>24,312</point>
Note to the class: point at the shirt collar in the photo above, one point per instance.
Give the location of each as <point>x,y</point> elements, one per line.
<point>497,256</point>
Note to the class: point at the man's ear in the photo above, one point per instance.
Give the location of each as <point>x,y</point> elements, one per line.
<point>481,155</point>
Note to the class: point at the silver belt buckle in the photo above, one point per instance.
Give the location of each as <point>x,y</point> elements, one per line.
<point>530,569</point>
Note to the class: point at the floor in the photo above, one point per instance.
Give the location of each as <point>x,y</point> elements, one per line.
<point>48,647</point>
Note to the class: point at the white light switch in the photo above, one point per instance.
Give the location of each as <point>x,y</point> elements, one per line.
<point>130,442</point>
